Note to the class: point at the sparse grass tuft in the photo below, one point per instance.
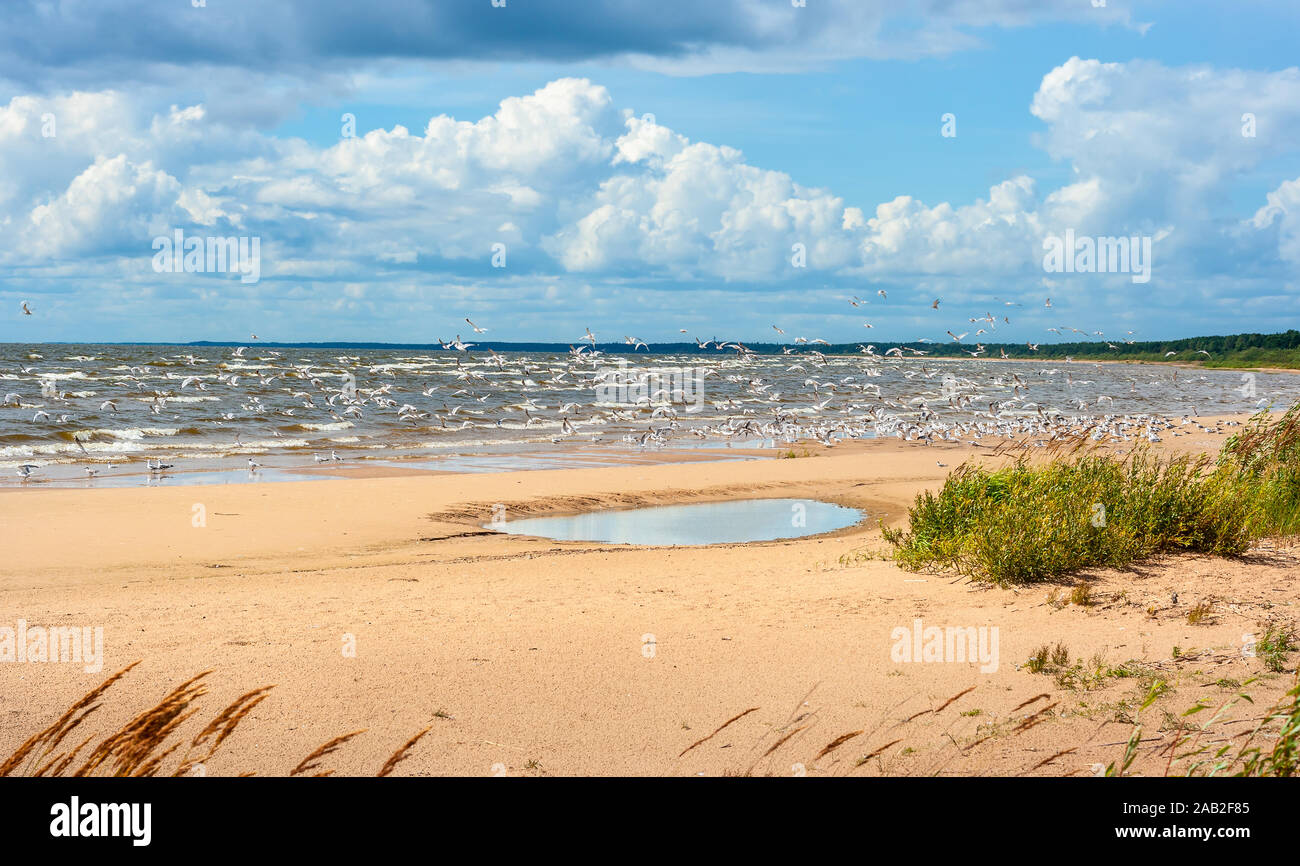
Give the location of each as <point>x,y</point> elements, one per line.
<point>1248,758</point>
<point>1274,647</point>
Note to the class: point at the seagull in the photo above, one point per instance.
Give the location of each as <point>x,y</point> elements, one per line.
<point>26,310</point>
<point>26,470</point>
<point>1047,303</point>
<point>253,465</point>
<point>476,328</point>
<point>935,305</point>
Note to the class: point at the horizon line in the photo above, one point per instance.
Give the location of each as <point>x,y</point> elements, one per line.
<point>620,346</point>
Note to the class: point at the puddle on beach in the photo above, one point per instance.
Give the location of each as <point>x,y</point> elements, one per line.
<point>694,524</point>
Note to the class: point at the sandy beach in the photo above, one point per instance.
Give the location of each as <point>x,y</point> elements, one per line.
<point>665,395</point>
<point>535,657</point>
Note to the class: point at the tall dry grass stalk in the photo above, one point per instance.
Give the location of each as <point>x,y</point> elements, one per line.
<point>312,761</point>
<point>150,743</point>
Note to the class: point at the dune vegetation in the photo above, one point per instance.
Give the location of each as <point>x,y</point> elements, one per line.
<point>1034,520</point>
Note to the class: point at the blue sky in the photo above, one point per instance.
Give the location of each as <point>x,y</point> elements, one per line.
<point>772,127</point>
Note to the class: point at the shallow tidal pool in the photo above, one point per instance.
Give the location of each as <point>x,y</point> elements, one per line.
<point>694,524</point>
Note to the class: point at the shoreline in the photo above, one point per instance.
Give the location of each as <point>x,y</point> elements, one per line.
<point>285,467</point>
<point>282,468</point>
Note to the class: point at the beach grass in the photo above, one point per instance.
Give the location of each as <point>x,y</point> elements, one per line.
<point>1042,521</point>
<point>1266,454</point>
<point>1271,749</point>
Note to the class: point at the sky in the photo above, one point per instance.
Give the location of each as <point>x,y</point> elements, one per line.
<point>644,169</point>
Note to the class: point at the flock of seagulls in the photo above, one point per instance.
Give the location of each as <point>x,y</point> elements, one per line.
<point>801,395</point>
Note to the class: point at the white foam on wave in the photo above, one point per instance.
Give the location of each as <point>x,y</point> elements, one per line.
<point>74,374</point>
<point>336,425</point>
<point>132,433</point>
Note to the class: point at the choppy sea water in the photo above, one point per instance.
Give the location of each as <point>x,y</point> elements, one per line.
<point>67,407</point>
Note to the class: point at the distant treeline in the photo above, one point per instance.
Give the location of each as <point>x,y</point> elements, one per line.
<point>1233,350</point>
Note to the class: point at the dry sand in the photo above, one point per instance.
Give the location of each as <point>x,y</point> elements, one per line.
<point>533,657</point>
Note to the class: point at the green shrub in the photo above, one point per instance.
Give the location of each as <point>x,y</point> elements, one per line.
<point>1031,522</point>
